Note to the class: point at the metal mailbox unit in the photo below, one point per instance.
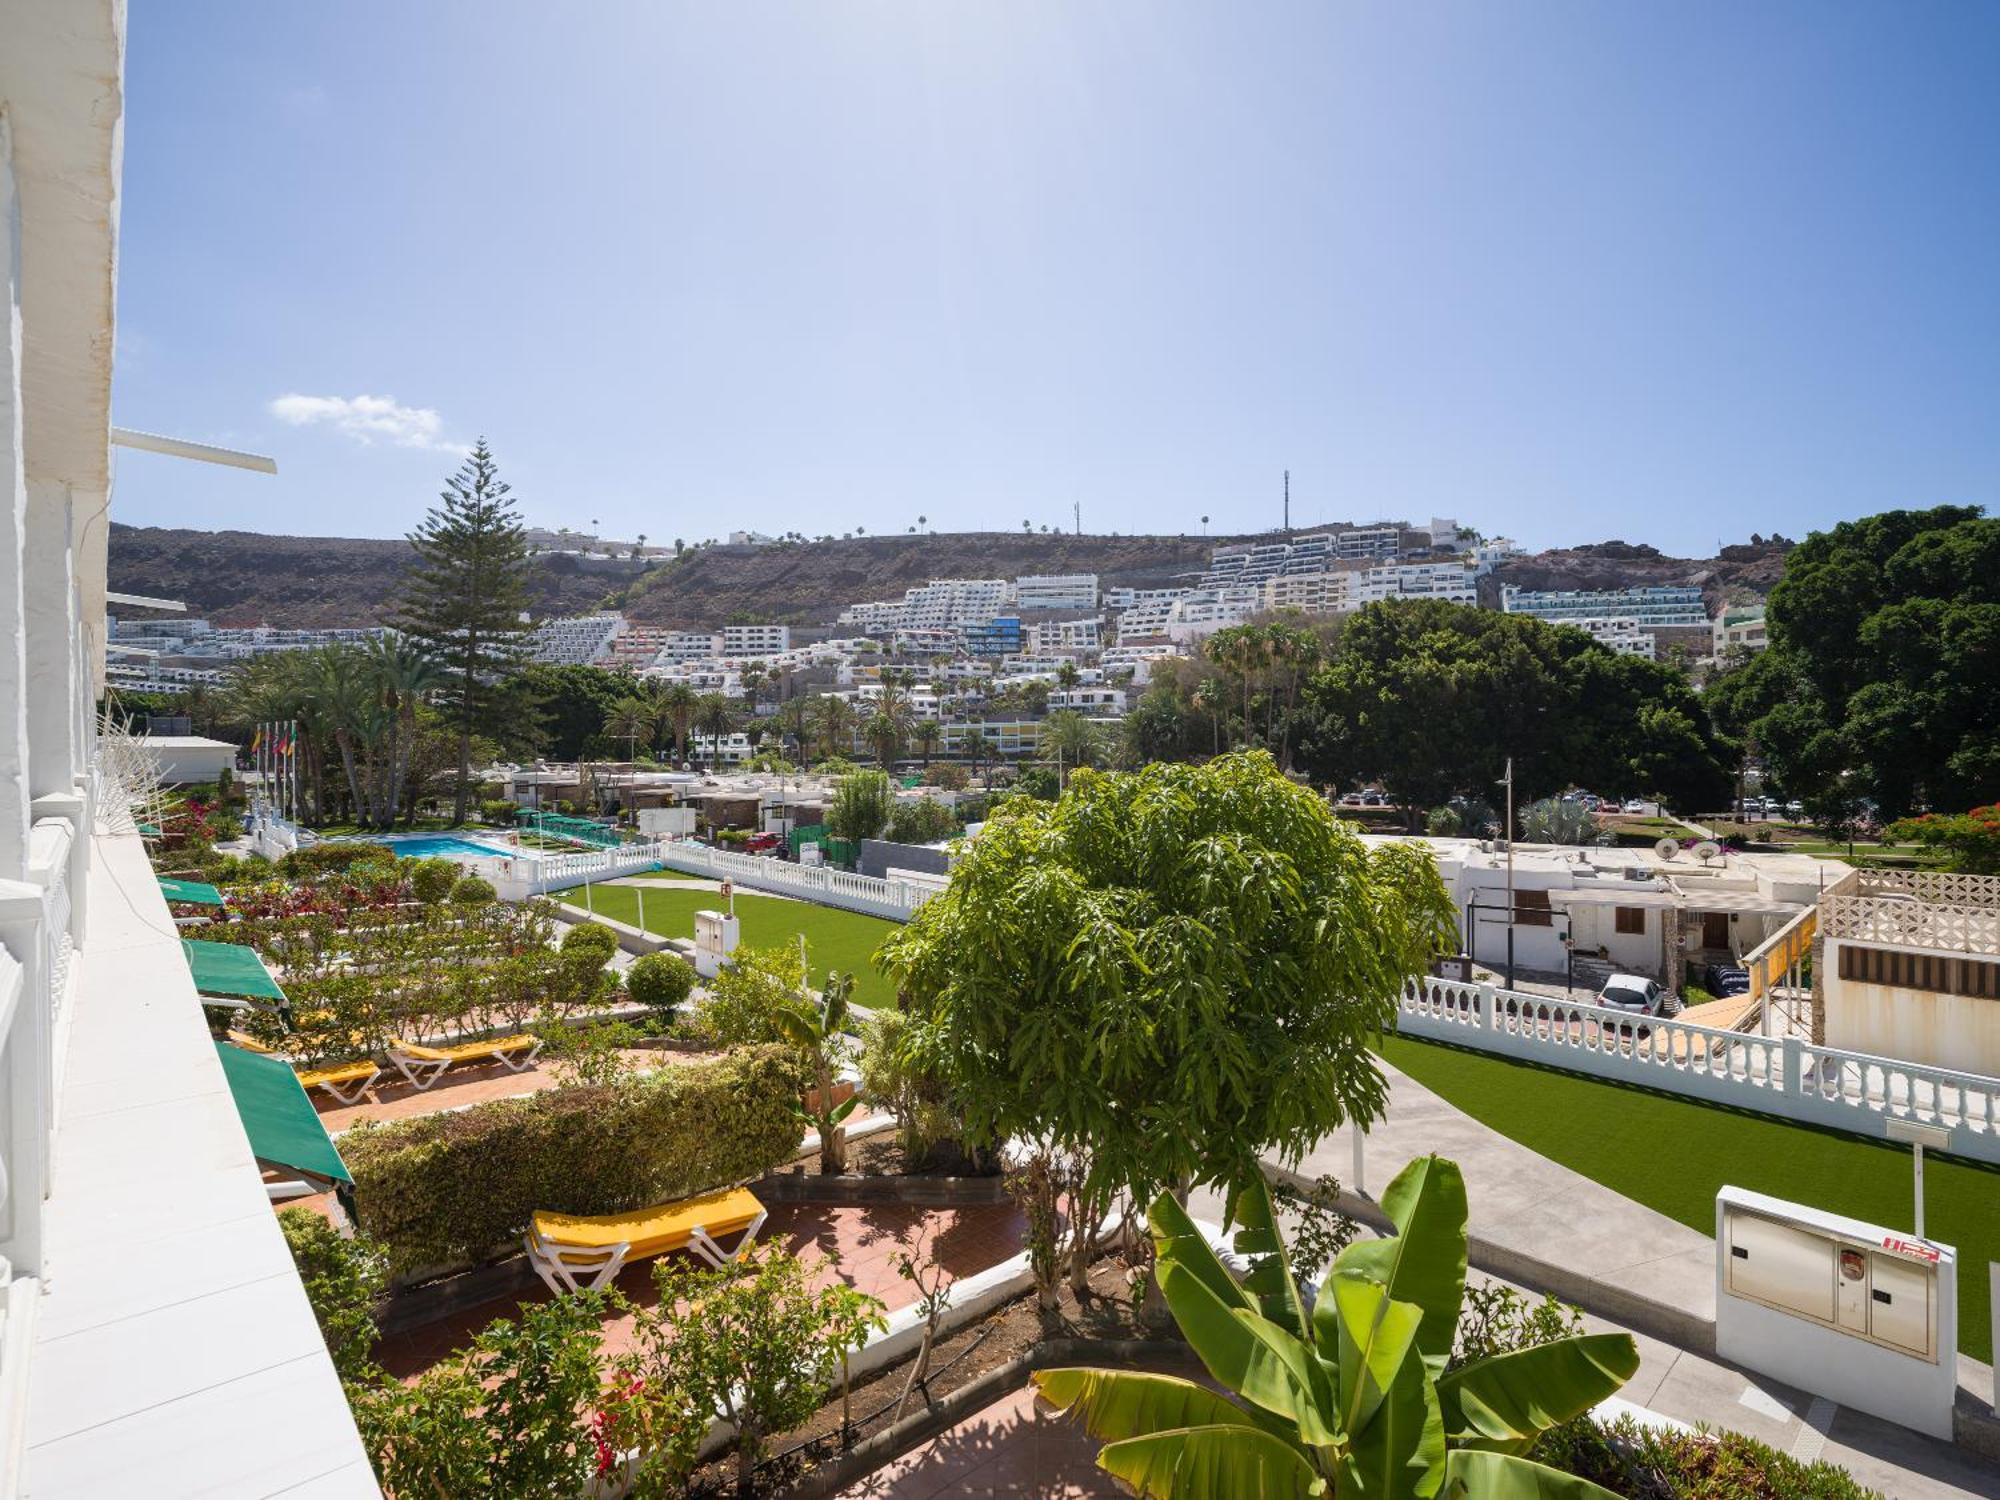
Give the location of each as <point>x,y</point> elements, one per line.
<point>1860,1314</point>
<point>715,938</point>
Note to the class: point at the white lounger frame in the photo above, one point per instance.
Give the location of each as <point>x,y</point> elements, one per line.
<point>572,1268</point>
<point>350,1093</point>
<point>425,1071</point>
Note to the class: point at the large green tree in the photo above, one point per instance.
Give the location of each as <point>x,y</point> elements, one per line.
<point>1879,680</point>
<point>573,703</point>
<point>465,600</point>
<point>1166,971</point>
<point>1433,698</point>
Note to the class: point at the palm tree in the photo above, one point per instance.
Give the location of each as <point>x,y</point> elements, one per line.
<point>406,675</point>
<point>928,734</point>
<point>922,521</point>
<point>629,720</point>
<point>715,717</point>
<point>674,705</point>
<point>1069,737</point>
<point>836,725</point>
<point>885,736</point>
<point>752,679</point>
<point>791,719</point>
<point>1066,675</point>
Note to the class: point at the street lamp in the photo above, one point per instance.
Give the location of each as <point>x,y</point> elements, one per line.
<point>1508,782</point>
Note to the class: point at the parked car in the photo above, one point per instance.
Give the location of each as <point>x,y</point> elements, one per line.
<point>1727,979</point>
<point>1635,806</point>
<point>764,843</point>
<point>1637,995</point>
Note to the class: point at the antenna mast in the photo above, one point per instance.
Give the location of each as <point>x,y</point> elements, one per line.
<point>1288,504</point>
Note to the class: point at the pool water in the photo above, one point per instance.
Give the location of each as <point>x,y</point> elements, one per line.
<point>445,846</point>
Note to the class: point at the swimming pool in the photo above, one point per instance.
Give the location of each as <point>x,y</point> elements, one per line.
<point>447,846</point>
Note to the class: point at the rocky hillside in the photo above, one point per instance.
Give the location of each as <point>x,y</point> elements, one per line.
<point>244,578</point>
<point>807,583</point>
<point>1740,575</point>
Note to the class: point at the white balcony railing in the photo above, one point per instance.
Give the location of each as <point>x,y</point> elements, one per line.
<point>1773,1075</point>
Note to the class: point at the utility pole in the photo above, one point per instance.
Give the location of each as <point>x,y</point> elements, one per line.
<point>1077,507</point>
<point>1288,505</point>
<point>1511,914</point>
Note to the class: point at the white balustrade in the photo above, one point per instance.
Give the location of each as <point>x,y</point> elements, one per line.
<point>894,899</point>
<point>1773,1075</point>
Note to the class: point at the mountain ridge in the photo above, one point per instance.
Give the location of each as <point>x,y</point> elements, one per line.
<point>255,578</point>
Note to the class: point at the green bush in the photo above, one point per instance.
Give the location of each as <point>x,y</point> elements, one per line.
<point>923,822</point>
<point>343,1278</point>
<point>591,938</point>
<point>332,857</point>
<point>661,982</point>
<point>1629,1459</point>
<point>473,891</point>
<point>444,1189</point>
<point>431,880</point>
<point>744,1000</point>
<point>499,812</point>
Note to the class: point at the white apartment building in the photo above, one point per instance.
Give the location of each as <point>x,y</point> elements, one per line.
<point>576,641</point>
<point>1624,636</point>
<point>1056,591</point>
<point>753,640</point>
<point>1138,661</point>
<point>916,641</point>
<point>941,604</point>
<point>1094,701</point>
<point>1118,600</point>
<point>154,1337</point>
<point>1329,593</point>
<point>683,646</point>
<point>1071,636</point>
<point>1451,580</point>
<point>1740,630</point>
<point>1677,604</point>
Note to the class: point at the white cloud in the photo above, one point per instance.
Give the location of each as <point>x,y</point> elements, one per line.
<point>368,420</point>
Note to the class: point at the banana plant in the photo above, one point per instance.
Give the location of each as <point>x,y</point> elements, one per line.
<point>817,1030</point>
<point>1354,1398</point>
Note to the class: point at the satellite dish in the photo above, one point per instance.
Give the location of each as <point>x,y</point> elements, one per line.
<point>1667,848</point>
<point>1706,850</point>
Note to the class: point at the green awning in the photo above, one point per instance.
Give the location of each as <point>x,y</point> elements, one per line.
<point>230,970</point>
<point>149,830</point>
<point>193,892</point>
<point>284,1129</point>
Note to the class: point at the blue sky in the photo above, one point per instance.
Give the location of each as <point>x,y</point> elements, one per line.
<point>1565,271</point>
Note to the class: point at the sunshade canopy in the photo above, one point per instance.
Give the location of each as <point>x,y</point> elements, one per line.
<point>283,1127</point>
<point>230,970</point>
<point>149,830</point>
<point>192,892</point>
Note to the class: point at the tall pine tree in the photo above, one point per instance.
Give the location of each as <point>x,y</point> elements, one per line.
<point>464,599</point>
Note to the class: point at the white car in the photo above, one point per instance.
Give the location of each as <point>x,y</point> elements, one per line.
<point>1636,995</point>
<point>1635,806</point>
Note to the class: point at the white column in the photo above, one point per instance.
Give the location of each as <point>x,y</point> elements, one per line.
<point>53,754</point>
<point>14,791</point>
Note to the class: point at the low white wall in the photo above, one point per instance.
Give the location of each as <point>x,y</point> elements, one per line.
<point>893,899</point>
<point>1849,1091</point>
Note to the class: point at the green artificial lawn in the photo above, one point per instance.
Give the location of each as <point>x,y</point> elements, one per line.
<point>835,939</point>
<point>1673,1155</point>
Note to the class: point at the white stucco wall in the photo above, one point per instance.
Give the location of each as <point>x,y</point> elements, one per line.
<point>1946,1031</point>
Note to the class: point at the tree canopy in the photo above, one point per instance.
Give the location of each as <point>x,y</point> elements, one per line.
<point>1879,679</point>
<point>1167,970</point>
<point>1432,698</point>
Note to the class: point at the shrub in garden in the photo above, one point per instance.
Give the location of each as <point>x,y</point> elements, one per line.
<point>895,1081</point>
<point>661,982</point>
<point>344,1278</point>
<point>507,1417</point>
<point>753,1344</point>
<point>473,891</point>
<point>334,856</point>
<point>444,1189</point>
<point>589,1056</point>
<point>745,998</point>
<point>431,880</point>
<point>499,812</point>
<point>591,938</point>
<point>1629,1458</point>
<point>922,822</point>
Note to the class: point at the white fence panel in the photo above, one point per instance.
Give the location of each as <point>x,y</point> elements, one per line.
<point>1772,1075</point>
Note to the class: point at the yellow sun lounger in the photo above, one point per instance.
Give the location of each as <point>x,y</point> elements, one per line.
<point>573,1251</point>
<point>423,1066</point>
<point>345,1081</point>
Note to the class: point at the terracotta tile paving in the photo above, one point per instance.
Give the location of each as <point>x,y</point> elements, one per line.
<point>857,1245</point>
<point>1013,1447</point>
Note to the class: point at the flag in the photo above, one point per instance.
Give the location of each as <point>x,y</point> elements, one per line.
<point>257,740</point>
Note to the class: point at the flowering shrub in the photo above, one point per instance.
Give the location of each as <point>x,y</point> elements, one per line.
<point>1971,840</point>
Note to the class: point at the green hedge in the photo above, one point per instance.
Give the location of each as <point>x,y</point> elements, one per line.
<point>443,1190</point>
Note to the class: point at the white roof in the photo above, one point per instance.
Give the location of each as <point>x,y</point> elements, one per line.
<point>184,742</point>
